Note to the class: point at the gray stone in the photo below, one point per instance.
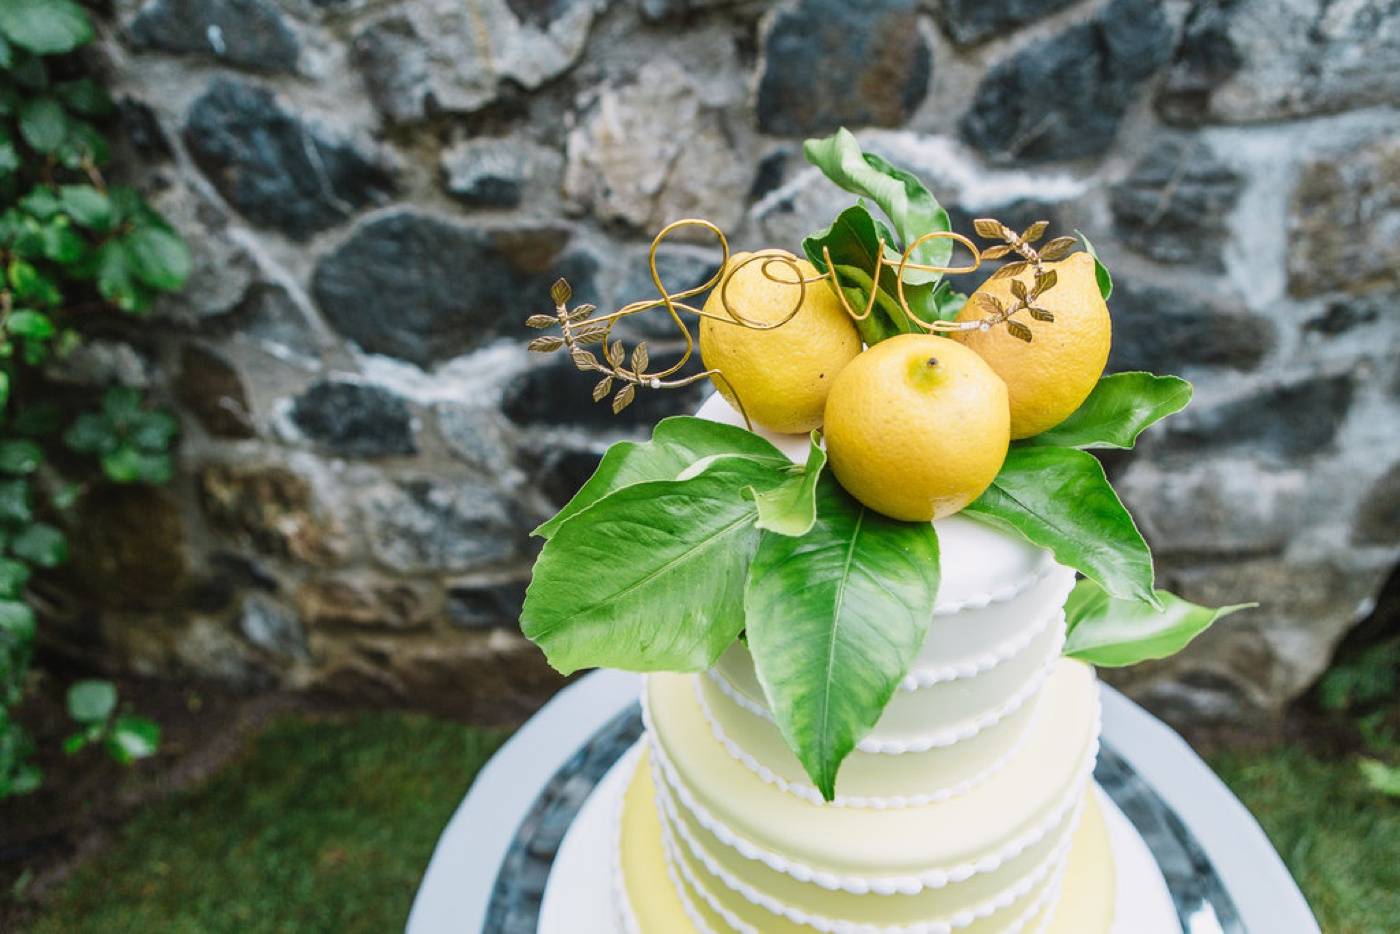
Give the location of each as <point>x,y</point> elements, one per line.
<point>273,628</point>
<point>970,21</point>
<point>681,269</point>
<point>428,57</point>
<point>557,393</point>
<point>209,387</point>
<point>486,606</point>
<point>1064,97</point>
<point>1175,205</point>
<point>1344,227</point>
<point>269,315</point>
<point>1163,330</point>
<point>100,362</point>
<point>249,34</point>
<point>653,151</point>
<point>274,168</point>
<point>834,63</point>
<point>222,269</point>
<point>559,472</point>
<point>497,173</point>
<point>1254,60</point>
<point>474,434</point>
<point>425,525</point>
<point>1378,518</point>
<point>1287,421</point>
<point>355,419</point>
<point>1347,314</point>
<point>425,289</point>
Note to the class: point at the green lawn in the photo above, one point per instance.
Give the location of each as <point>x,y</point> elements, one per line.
<point>327,824</point>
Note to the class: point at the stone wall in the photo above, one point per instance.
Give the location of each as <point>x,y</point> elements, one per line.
<point>378,193</point>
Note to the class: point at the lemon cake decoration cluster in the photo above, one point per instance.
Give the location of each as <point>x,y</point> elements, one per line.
<point>870,579</point>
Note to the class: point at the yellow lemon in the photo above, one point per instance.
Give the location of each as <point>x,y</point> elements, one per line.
<point>1048,377</point>
<point>917,427</point>
<point>783,374</point>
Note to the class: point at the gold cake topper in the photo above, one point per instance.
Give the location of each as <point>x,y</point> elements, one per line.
<point>580,327</point>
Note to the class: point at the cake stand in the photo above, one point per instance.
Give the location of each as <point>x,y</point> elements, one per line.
<point>531,847</point>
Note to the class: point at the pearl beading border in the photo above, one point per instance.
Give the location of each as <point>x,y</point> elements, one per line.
<point>1001,594</point>
<point>921,678</point>
<point>811,795</point>
<point>880,885</point>
<point>1050,865</point>
<point>937,740</point>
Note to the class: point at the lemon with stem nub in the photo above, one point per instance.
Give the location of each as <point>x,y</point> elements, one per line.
<point>917,427</point>
<point>1051,375</point>
<point>781,375</point>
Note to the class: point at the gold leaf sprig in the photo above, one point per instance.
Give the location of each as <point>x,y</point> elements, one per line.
<point>1024,298</point>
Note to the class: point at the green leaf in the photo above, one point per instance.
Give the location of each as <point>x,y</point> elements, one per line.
<point>651,577</point>
<point>158,258</point>
<point>85,96</point>
<point>1119,409</point>
<point>13,576</point>
<point>911,208</point>
<point>853,240</point>
<point>14,501</point>
<point>153,431</point>
<point>88,206</point>
<point>40,544</point>
<point>133,738</point>
<point>1380,777</point>
<point>1105,281</point>
<point>92,700</point>
<point>17,620</point>
<point>7,54</point>
<point>20,456</point>
<point>790,508</point>
<point>676,443</point>
<point>111,268</point>
<point>45,27</point>
<point>34,325</point>
<point>129,464</point>
<point>43,202</point>
<point>1059,498</point>
<point>27,778</point>
<point>834,620</point>
<point>122,404</point>
<point>1113,633</point>
<point>61,243</point>
<point>42,123</point>
<point>92,433</point>
<point>74,744</point>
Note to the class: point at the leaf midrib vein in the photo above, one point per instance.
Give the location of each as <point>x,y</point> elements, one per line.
<point>838,603</point>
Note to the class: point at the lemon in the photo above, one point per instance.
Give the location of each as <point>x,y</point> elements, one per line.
<point>917,427</point>
<point>1048,377</point>
<point>782,375</point>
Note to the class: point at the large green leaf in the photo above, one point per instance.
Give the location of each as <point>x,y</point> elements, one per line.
<point>676,443</point>
<point>1059,498</point>
<point>911,208</point>
<point>651,577</point>
<point>1119,409</point>
<point>790,508</point>
<point>834,620</point>
<point>1113,633</point>
<point>853,241</point>
<point>45,27</point>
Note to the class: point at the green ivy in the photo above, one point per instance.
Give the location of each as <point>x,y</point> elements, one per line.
<point>71,248</point>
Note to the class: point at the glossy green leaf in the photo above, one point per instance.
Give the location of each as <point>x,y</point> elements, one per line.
<point>853,242</point>
<point>34,325</point>
<point>1113,633</point>
<point>61,243</point>
<point>20,456</point>
<point>45,27</point>
<point>1101,275</point>
<point>88,206</point>
<point>1059,498</point>
<point>834,620</point>
<point>790,508</point>
<point>17,620</point>
<point>129,464</point>
<point>92,700</point>
<point>676,443</point>
<point>42,123</point>
<point>13,576</point>
<point>14,501</point>
<point>41,544</point>
<point>651,577</point>
<point>158,258</point>
<point>1119,409</point>
<point>911,208</point>
<point>133,738</point>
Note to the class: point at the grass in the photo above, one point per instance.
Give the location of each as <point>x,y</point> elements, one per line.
<point>1339,837</point>
<point>327,825</point>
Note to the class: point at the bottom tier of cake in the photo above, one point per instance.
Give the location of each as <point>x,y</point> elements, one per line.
<point>667,892</point>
